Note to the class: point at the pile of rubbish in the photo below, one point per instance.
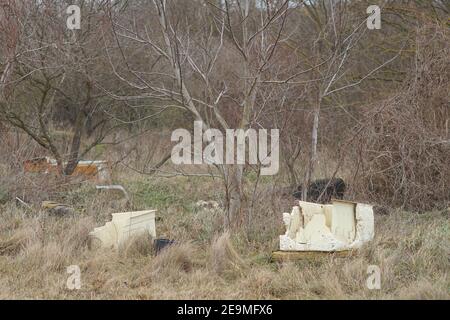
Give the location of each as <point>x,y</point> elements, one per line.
<point>310,227</point>
<point>342,225</point>
<point>97,170</point>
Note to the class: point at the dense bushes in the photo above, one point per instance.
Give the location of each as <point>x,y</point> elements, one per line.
<point>404,146</point>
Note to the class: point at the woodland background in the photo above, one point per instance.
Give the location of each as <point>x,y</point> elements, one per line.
<point>369,106</point>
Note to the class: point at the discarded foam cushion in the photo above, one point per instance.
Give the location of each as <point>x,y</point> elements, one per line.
<point>342,225</point>
<point>122,226</point>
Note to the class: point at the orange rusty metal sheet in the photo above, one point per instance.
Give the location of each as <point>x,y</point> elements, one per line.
<point>92,170</point>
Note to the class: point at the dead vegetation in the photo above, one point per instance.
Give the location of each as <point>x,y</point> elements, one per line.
<point>223,257</point>
<point>36,248</point>
<point>316,76</point>
<point>404,146</point>
<point>412,251</point>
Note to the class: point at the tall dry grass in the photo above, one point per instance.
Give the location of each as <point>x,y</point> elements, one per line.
<point>411,250</point>
<point>36,248</point>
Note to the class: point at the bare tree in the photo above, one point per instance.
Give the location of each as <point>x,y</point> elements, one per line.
<point>50,71</point>
<point>190,60</point>
<point>330,65</point>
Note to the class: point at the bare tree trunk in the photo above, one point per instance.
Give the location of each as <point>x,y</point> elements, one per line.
<point>291,155</point>
<point>313,157</point>
<point>75,145</point>
<point>234,181</point>
<point>292,174</point>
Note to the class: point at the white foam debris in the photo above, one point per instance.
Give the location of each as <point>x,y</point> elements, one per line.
<point>342,225</point>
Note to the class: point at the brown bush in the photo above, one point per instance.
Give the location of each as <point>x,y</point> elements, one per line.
<point>404,146</point>
<point>224,257</point>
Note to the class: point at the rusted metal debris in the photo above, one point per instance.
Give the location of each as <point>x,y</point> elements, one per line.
<point>97,170</point>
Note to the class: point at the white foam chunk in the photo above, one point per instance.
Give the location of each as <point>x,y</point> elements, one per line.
<point>343,225</point>
<point>124,225</point>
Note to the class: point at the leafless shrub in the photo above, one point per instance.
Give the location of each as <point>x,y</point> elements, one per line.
<point>13,243</point>
<point>15,148</point>
<point>224,257</point>
<point>174,259</point>
<point>404,146</point>
<point>137,246</point>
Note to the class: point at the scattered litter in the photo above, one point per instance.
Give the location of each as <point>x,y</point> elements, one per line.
<point>122,226</point>
<point>207,204</point>
<point>57,209</point>
<point>342,225</point>
<point>325,189</point>
<point>23,203</point>
<point>116,189</point>
<point>42,164</point>
<point>97,170</point>
<point>160,244</point>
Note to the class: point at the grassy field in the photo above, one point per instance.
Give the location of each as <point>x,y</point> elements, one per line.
<point>412,251</point>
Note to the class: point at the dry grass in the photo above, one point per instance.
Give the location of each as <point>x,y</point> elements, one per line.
<point>36,248</point>
<point>412,251</point>
<point>224,258</point>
